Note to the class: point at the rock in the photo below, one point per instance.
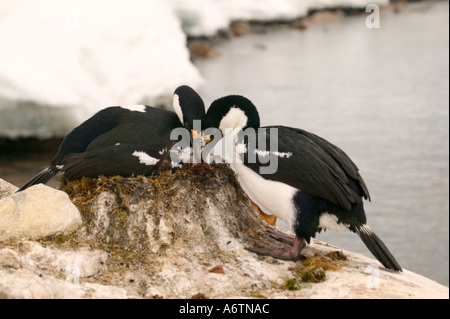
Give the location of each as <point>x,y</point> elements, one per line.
<point>23,272</point>
<point>182,235</point>
<point>300,24</point>
<point>202,49</point>
<point>6,189</point>
<point>38,212</point>
<point>240,28</point>
<point>324,17</point>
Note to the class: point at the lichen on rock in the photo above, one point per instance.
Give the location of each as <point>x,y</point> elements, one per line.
<point>6,189</point>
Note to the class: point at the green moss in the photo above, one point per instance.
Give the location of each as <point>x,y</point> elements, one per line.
<point>313,274</point>
<point>119,217</point>
<point>257,294</point>
<point>291,284</point>
<point>314,269</point>
<point>60,239</point>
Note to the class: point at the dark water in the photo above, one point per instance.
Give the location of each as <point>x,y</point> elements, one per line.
<point>382,95</point>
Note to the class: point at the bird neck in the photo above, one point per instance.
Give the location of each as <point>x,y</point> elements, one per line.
<point>233,148</point>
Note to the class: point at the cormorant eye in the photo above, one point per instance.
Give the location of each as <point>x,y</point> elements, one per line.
<point>187,125</point>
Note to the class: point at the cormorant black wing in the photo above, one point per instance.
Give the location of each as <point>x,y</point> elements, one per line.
<point>122,159</point>
<point>150,129</point>
<point>312,165</point>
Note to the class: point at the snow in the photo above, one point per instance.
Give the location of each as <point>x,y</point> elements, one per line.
<point>63,60</point>
<point>206,17</point>
<point>72,59</point>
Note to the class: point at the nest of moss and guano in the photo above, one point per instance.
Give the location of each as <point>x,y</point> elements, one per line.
<point>183,233</point>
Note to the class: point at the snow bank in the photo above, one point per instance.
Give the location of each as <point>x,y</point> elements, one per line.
<point>61,60</point>
<point>71,59</point>
<point>206,17</point>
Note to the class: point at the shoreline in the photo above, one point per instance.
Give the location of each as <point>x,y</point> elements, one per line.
<point>201,47</point>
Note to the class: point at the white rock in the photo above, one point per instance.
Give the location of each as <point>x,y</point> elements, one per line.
<point>38,272</point>
<point>80,262</point>
<point>6,189</point>
<point>38,212</point>
<point>26,284</point>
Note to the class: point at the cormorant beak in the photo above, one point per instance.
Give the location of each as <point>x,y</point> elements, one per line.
<point>196,134</point>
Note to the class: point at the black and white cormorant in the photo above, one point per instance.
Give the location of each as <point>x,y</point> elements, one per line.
<point>125,141</point>
<point>315,185</point>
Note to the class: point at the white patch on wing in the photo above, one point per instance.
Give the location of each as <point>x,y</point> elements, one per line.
<point>177,107</point>
<point>267,153</point>
<point>328,221</point>
<point>117,144</point>
<point>175,165</point>
<point>181,155</point>
<point>138,108</point>
<point>59,166</point>
<point>262,153</point>
<point>241,148</point>
<point>144,158</point>
<point>283,154</point>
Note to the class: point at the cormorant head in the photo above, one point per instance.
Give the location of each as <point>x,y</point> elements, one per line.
<point>233,112</point>
<point>188,106</point>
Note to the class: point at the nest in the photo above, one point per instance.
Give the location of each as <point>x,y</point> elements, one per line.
<point>169,232</point>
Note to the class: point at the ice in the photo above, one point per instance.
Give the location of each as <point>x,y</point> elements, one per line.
<point>63,60</point>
